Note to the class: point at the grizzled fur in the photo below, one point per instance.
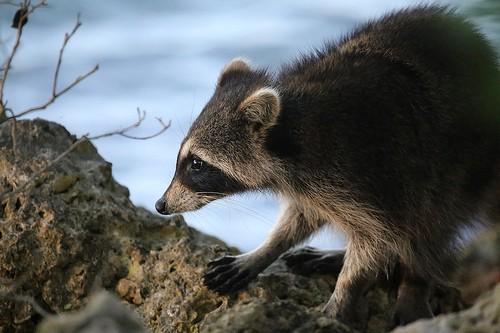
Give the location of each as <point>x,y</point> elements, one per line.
<point>392,134</point>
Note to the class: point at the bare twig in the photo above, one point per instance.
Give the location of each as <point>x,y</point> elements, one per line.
<point>13,134</point>
<point>147,137</point>
<point>67,37</point>
<point>10,294</point>
<point>8,63</point>
<point>6,68</point>
<point>55,93</point>
<point>121,132</point>
<point>55,96</point>
<point>141,115</point>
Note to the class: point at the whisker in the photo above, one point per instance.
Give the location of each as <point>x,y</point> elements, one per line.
<point>204,221</point>
<point>245,210</point>
<point>239,205</point>
<point>252,212</point>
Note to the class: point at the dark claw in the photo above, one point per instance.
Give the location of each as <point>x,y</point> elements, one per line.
<point>221,261</point>
<point>245,280</point>
<point>301,255</point>
<point>217,280</point>
<point>304,252</point>
<point>226,275</point>
<point>216,271</point>
<point>233,284</point>
<point>309,261</point>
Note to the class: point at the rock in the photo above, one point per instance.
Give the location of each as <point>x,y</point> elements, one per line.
<point>483,317</point>
<point>63,183</point>
<point>129,290</point>
<point>75,231</point>
<point>72,230</point>
<point>104,313</point>
<point>480,266</point>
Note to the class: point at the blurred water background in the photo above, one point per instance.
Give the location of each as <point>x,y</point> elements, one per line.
<point>164,57</point>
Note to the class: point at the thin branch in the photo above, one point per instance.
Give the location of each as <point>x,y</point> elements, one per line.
<point>8,63</point>
<point>163,129</point>
<point>13,134</point>
<point>86,137</point>
<point>67,37</point>
<point>7,66</point>
<point>41,3</point>
<point>141,115</point>
<point>55,94</point>
<point>54,97</point>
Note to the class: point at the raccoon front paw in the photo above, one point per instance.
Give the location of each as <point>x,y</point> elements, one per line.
<point>308,260</point>
<point>229,274</point>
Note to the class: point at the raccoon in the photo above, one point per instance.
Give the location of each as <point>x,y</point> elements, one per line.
<point>392,134</point>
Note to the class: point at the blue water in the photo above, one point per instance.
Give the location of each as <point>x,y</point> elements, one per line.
<point>164,57</point>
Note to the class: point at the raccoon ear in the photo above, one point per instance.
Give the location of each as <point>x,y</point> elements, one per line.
<point>262,107</point>
<point>235,65</point>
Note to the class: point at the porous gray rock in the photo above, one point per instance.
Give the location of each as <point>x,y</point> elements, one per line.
<point>74,229</point>
<point>103,314</point>
<point>483,317</point>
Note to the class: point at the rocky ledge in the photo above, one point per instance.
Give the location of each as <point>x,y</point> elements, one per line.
<point>77,256</point>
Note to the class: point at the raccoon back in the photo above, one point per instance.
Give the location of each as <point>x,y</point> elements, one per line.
<point>403,113</point>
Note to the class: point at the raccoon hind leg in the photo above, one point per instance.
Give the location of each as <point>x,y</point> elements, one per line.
<point>358,273</point>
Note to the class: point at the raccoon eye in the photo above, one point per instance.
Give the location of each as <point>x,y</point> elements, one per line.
<point>197,163</point>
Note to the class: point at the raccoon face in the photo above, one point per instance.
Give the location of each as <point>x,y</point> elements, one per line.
<point>224,151</point>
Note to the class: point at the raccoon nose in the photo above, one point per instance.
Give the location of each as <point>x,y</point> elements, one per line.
<point>161,206</point>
